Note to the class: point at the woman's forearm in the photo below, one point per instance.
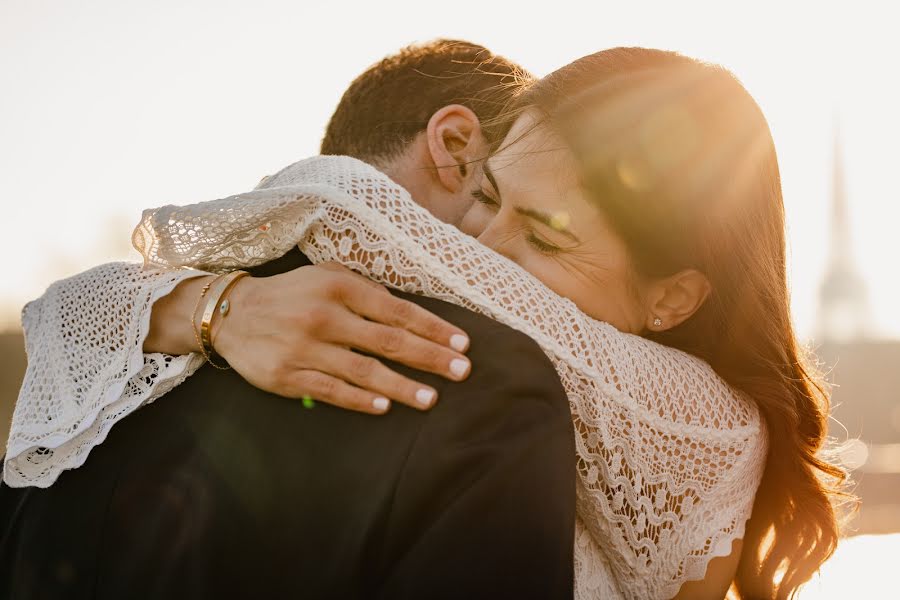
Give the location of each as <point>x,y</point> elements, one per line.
<point>170,319</point>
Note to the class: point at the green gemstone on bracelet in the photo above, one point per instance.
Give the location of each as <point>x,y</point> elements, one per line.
<point>224,307</point>
<point>308,402</point>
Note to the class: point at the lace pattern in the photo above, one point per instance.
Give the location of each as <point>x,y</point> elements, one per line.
<point>668,456</point>
<point>86,369</point>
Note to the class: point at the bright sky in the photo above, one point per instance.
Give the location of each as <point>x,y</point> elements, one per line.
<point>111,106</point>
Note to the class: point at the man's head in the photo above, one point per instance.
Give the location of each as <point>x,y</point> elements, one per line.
<point>418,115</point>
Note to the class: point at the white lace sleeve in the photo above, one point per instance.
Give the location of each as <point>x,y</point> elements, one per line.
<point>86,367</point>
<point>669,457</point>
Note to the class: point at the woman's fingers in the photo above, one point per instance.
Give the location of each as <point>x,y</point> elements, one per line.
<point>304,349</point>
<point>403,347</point>
<point>371,375</point>
<point>390,310</point>
<point>331,390</point>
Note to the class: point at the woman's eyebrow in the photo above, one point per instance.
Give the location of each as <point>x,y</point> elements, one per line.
<point>552,221</point>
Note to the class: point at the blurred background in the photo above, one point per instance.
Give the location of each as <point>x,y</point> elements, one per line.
<point>109,107</point>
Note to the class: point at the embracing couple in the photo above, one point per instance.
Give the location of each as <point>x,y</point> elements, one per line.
<point>587,384</point>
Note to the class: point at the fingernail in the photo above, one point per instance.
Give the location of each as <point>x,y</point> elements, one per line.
<point>459,367</point>
<point>425,397</point>
<point>381,403</point>
<point>459,342</point>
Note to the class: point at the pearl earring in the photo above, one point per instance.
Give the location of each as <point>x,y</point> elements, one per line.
<point>657,322</point>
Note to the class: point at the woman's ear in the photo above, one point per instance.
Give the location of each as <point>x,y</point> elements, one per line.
<point>454,141</point>
<point>674,299</point>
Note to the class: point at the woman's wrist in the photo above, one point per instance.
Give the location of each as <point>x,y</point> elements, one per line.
<point>170,319</point>
<point>226,331</point>
<point>213,303</point>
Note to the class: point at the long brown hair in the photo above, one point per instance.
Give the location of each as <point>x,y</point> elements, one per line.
<point>679,157</point>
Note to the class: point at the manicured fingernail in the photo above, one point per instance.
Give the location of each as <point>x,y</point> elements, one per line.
<point>381,403</point>
<point>459,367</point>
<point>425,397</point>
<point>459,342</point>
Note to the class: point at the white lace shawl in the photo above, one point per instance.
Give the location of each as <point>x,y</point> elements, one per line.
<point>669,456</point>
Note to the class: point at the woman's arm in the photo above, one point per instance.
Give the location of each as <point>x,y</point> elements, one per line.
<point>104,342</point>
<point>170,319</point>
<point>668,455</point>
<point>301,333</point>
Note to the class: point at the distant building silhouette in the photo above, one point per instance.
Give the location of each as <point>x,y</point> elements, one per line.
<point>862,370</point>
<point>843,306</point>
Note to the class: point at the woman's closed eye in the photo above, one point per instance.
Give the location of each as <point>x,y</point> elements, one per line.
<point>542,246</point>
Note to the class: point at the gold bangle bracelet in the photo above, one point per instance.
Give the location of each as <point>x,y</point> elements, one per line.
<point>218,289</point>
<point>194,329</point>
<point>224,307</point>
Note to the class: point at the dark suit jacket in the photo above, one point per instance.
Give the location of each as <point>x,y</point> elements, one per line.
<point>222,490</point>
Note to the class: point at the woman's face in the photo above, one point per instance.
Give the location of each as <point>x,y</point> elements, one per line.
<point>532,209</point>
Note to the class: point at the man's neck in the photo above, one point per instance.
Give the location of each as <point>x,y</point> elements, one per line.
<point>412,171</point>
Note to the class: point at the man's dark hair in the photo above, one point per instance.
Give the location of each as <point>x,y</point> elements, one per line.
<point>391,102</point>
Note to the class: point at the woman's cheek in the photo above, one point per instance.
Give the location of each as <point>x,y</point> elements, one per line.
<point>553,274</point>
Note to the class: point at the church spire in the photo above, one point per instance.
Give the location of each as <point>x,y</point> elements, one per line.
<point>842,295</point>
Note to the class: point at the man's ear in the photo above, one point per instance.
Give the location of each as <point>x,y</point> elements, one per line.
<point>454,142</point>
<point>673,300</point>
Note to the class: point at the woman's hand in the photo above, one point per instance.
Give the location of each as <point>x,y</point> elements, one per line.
<point>295,335</point>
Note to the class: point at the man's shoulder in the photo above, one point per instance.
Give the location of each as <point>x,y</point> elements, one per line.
<point>507,365</point>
